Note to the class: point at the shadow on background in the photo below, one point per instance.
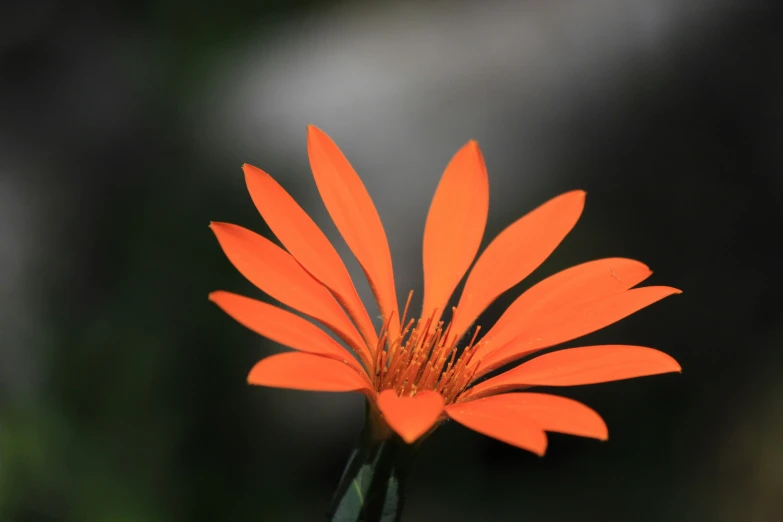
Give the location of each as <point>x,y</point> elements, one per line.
<point>122,132</point>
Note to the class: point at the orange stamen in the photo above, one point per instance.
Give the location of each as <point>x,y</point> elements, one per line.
<point>425,356</point>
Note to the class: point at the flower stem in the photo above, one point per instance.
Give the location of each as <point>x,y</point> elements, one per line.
<point>372,488</point>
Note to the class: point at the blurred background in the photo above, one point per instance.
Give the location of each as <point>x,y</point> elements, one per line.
<point>123,127</point>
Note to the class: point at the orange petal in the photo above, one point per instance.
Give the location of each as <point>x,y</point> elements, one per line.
<point>574,322</point>
<point>274,271</point>
<point>307,244</point>
<point>577,366</point>
<point>455,226</point>
<point>553,413</point>
<point>515,253</point>
<point>498,421</point>
<point>282,327</point>
<point>354,214</point>
<point>411,417</point>
<point>304,371</point>
<point>574,286</point>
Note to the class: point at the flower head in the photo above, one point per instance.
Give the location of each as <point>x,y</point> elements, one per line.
<point>417,372</point>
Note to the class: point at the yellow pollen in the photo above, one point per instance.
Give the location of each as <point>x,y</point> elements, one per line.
<point>425,356</point>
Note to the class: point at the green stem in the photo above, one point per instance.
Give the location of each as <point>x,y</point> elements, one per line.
<point>372,488</point>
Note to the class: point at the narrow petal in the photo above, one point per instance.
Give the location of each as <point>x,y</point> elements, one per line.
<point>307,244</point>
<point>455,226</point>
<point>574,286</point>
<point>498,421</point>
<point>411,417</point>
<point>577,366</point>
<point>282,327</point>
<point>553,413</point>
<point>304,371</point>
<point>574,322</point>
<point>274,271</point>
<point>515,253</point>
<point>354,214</point>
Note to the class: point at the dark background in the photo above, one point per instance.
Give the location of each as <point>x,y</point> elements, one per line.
<point>122,131</point>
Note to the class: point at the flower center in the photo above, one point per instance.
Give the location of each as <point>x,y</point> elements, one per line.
<point>424,357</point>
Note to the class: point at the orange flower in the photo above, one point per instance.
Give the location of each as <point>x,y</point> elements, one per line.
<point>418,373</point>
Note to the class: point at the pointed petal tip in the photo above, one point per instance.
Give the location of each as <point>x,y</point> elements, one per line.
<point>411,417</point>
<point>643,266</point>
<point>473,145</point>
<point>218,224</point>
<point>251,170</point>
<point>316,136</point>
<point>575,193</point>
<point>408,437</point>
<point>219,227</point>
<point>673,365</point>
<point>541,452</point>
<point>575,197</point>
<point>667,364</point>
